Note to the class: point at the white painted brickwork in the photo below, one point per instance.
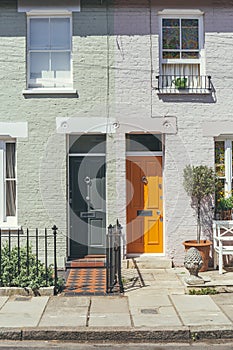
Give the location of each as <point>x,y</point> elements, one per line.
<point>115,61</point>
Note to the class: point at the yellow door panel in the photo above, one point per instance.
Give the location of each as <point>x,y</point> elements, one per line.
<point>144,205</point>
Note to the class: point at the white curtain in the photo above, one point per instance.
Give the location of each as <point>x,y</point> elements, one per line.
<point>190,71</point>
<point>10,180</point>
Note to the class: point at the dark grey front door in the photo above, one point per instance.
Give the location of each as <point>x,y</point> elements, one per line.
<point>87,206</point>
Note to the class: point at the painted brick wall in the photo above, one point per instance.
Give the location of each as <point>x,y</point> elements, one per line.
<point>115,61</point>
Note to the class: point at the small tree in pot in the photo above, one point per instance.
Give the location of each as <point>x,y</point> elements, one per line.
<point>199,183</point>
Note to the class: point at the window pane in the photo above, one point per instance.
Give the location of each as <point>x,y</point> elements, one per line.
<point>220,158</point>
<point>171,38</point>
<point>190,55</point>
<point>10,198</point>
<point>10,160</point>
<point>171,54</point>
<point>87,144</point>
<point>39,64</point>
<point>60,33</point>
<point>189,32</point>
<point>171,22</point>
<point>143,143</point>
<point>60,61</point>
<point>171,34</point>
<point>39,33</point>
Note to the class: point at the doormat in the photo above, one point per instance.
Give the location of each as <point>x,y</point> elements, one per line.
<point>83,281</point>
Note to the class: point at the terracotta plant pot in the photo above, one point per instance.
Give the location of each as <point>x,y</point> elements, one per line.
<point>204,248</point>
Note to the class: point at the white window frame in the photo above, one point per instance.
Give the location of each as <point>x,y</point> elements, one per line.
<point>31,83</point>
<point>228,165</point>
<point>183,14</point>
<point>6,221</point>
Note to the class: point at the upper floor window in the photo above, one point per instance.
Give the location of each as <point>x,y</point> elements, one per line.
<point>180,38</point>
<point>49,52</point>
<point>182,64</point>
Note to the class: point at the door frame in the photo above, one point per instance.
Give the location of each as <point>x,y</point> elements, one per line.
<point>69,155</point>
<point>148,154</point>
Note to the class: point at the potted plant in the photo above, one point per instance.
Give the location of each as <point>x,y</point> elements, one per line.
<point>180,83</point>
<point>224,208</point>
<point>199,183</point>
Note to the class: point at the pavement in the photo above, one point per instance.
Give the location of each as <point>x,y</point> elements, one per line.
<point>159,311</point>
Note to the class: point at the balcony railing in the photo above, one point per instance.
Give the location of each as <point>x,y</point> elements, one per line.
<point>184,84</point>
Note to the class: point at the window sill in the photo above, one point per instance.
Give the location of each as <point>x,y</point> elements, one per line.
<point>50,92</point>
<point>12,228</point>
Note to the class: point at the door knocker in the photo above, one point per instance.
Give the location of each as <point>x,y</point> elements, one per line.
<point>87,180</point>
<point>144,180</point>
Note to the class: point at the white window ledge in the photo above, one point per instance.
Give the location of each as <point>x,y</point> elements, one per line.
<point>51,92</point>
<point>8,227</point>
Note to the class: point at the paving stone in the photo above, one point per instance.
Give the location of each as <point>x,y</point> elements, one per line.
<point>109,312</point>
<point>199,310</point>
<point>22,311</point>
<point>66,312</point>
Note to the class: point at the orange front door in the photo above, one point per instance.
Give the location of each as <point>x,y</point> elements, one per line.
<point>144,204</point>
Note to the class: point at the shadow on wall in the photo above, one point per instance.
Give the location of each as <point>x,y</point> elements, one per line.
<point>129,18</point>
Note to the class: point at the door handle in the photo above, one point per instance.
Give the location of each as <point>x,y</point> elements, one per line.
<point>158,212</point>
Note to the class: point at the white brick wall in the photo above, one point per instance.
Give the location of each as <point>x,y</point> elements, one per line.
<point>115,61</point>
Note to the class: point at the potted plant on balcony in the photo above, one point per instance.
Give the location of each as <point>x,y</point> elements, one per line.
<point>180,83</point>
<point>224,208</point>
<point>199,183</point>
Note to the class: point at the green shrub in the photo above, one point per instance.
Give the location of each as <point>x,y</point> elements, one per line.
<point>225,203</point>
<point>203,291</point>
<point>11,277</point>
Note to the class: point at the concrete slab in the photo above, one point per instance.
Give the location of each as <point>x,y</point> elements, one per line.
<point>223,299</point>
<point>3,300</point>
<point>22,311</point>
<point>225,302</point>
<point>109,304</point>
<point>109,312</point>
<point>147,299</point>
<point>160,316</point>
<point>199,310</point>
<point>66,312</point>
<point>150,310</point>
<point>109,320</point>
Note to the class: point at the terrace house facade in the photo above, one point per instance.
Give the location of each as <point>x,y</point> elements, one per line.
<point>102,104</point>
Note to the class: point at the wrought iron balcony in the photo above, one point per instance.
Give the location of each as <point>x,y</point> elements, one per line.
<point>184,84</point>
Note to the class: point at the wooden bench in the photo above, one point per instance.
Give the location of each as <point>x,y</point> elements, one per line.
<point>223,241</point>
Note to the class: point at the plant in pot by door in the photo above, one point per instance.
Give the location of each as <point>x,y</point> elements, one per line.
<point>199,183</point>
<point>224,208</point>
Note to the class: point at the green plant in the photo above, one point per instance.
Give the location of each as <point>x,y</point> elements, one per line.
<point>225,203</point>
<point>203,291</point>
<point>180,83</point>
<point>194,336</point>
<point>32,273</point>
<point>199,183</point>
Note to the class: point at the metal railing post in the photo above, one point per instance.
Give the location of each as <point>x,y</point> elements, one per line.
<point>54,228</point>
<point>18,242</point>
<point>27,251</point>
<point>46,256</point>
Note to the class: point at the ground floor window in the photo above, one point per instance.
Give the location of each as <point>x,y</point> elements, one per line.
<point>7,182</point>
<point>224,170</point>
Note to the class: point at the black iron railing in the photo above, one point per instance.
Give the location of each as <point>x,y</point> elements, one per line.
<point>184,83</point>
<point>41,242</point>
<point>113,259</point>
